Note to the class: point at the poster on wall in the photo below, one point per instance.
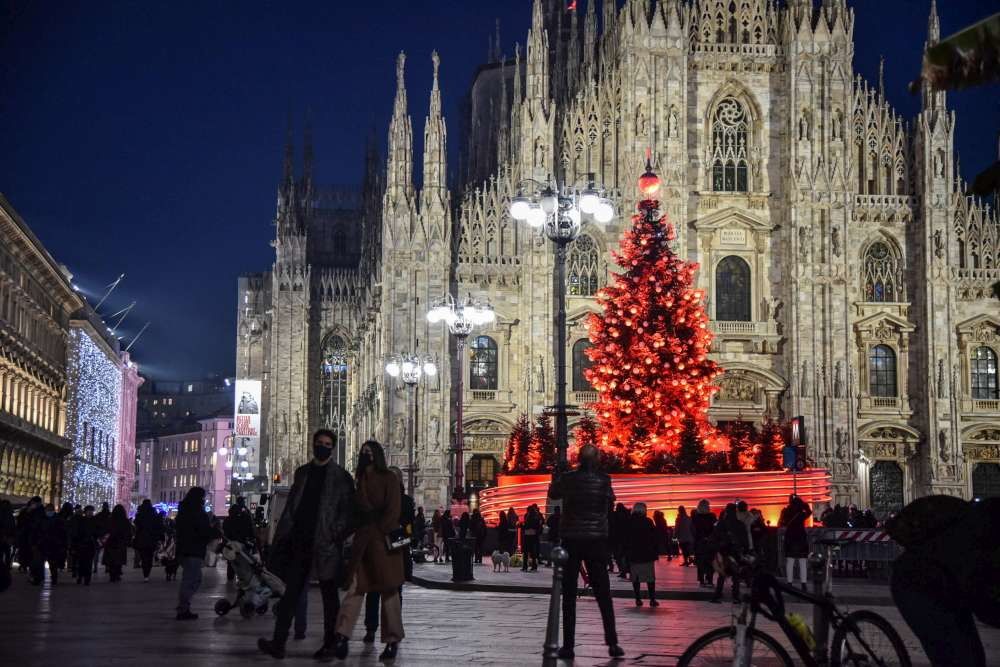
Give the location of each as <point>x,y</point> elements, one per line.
<point>246,425</point>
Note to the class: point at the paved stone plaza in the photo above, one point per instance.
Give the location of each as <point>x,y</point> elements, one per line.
<point>132,624</point>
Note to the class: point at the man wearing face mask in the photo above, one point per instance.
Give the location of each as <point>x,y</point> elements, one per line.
<point>309,540</point>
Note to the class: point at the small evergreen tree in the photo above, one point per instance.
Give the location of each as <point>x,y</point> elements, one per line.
<point>691,450</point>
<point>585,433</point>
<point>742,439</point>
<point>515,458</point>
<point>541,455</point>
<point>768,452</point>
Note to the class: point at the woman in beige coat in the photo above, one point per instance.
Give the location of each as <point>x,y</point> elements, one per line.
<point>373,567</point>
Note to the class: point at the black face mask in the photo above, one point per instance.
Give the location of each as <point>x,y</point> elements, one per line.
<point>321,452</point>
<point>364,460</point>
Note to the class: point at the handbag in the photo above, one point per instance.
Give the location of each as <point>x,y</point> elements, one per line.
<point>396,539</point>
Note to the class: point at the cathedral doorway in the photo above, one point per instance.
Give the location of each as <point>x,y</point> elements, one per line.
<point>986,481</point>
<point>481,471</point>
<point>885,488</point>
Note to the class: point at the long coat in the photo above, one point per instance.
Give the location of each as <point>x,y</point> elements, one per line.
<point>379,502</point>
<point>333,524</point>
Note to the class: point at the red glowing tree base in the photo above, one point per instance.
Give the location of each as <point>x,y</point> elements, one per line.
<point>767,491</point>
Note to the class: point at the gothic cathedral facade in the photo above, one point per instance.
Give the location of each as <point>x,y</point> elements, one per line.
<point>849,278</point>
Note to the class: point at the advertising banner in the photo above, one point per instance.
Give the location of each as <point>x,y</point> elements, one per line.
<point>246,425</point>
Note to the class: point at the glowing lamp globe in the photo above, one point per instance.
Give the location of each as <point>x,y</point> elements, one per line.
<point>242,451</point>
<point>589,200</point>
<point>223,451</point>
<point>536,216</point>
<point>244,464</point>
<point>408,366</point>
<point>392,368</point>
<point>649,183</point>
<point>430,369</point>
<point>604,212</point>
<point>519,207</point>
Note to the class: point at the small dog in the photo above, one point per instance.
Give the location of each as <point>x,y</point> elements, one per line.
<point>500,559</point>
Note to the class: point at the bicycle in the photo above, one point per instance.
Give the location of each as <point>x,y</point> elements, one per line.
<point>860,638</point>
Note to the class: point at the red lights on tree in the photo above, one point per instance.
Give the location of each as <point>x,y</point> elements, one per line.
<point>530,449</point>
<point>515,459</point>
<point>650,347</point>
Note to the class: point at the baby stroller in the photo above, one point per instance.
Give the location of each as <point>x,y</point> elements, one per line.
<point>255,585</point>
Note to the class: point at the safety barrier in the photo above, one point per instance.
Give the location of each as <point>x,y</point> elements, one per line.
<point>868,553</point>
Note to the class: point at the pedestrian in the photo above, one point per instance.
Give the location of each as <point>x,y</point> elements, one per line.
<point>531,533</point>
<point>587,499</point>
<point>148,535</point>
<point>194,532</point>
<point>438,536</point>
<point>477,526</point>
<point>730,541</point>
<point>419,527</point>
<point>375,565</point>
<point>35,553</point>
<point>84,541</point>
<point>27,525</point>
<point>116,544</point>
<point>168,552</point>
<point>102,524</point>
<point>619,536</point>
<point>664,540</point>
<point>447,534</point>
<point>702,526</point>
<point>513,523</point>
<point>8,535</point>
<point>53,544</point>
<point>758,531</point>
<point>503,540</point>
<point>309,538</point>
<point>372,598</point>
<point>793,519</point>
<point>238,527</point>
<point>71,527</point>
<point>463,526</point>
<point>948,576</point>
<point>685,538</point>
<point>641,551</point>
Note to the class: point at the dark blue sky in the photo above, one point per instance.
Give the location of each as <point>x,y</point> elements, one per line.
<point>146,137</point>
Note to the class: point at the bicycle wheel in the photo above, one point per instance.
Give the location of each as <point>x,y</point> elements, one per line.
<point>867,639</point>
<point>717,648</point>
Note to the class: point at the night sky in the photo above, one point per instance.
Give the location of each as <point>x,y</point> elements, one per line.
<point>146,137</point>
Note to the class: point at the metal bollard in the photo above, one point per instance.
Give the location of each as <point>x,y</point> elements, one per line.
<point>821,621</point>
<point>550,652</point>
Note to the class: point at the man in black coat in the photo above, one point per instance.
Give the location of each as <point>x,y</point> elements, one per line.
<point>309,538</point>
<point>194,532</point>
<point>587,500</point>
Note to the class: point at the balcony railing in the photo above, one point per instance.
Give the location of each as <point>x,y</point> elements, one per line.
<point>484,395</point>
<point>735,327</point>
<point>884,402</point>
<point>986,405</point>
<point>582,398</point>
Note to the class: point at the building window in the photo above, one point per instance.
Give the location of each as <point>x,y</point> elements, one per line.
<point>333,383</point>
<point>730,137</point>
<point>882,371</point>
<point>984,373</point>
<point>583,266</point>
<point>581,362</point>
<point>483,363</point>
<point>732,290</point>
<point>882,274</point>
<point>481,471</point>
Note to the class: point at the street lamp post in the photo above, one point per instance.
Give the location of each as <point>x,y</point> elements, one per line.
<point>411,368</point>
<point>238,462</point>
<point>461,317</point>
<point>559,211</point>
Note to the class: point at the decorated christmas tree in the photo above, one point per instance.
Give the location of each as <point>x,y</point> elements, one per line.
<point>541,447</point>
<point>742,442</point>
<point>650,346</point>
<point>516,457</point>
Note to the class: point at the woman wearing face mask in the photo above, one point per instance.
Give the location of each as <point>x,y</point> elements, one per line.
<point>373,566</point>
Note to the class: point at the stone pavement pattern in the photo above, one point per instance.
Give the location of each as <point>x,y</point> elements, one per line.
<point>132,623</point>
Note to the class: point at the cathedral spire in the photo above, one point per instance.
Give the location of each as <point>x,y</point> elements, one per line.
<point>288,166</point>
<point>399,168</point>
<point>881,77</point>
<point>537,78</point>
<point>308,157</point>
<point>933,25</point>
<point>589,36</point>
<point>435,137</point>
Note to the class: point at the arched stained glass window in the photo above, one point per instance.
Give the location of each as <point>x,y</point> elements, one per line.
<point>732,290</point>
<point>333,397</point>
<point>583,267</point>
<point>984,373</point>
<point>581,362</point>
<point>483,363</point>
<point>730,147</point>
<point>882,274</point>
<point>882,371</point>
